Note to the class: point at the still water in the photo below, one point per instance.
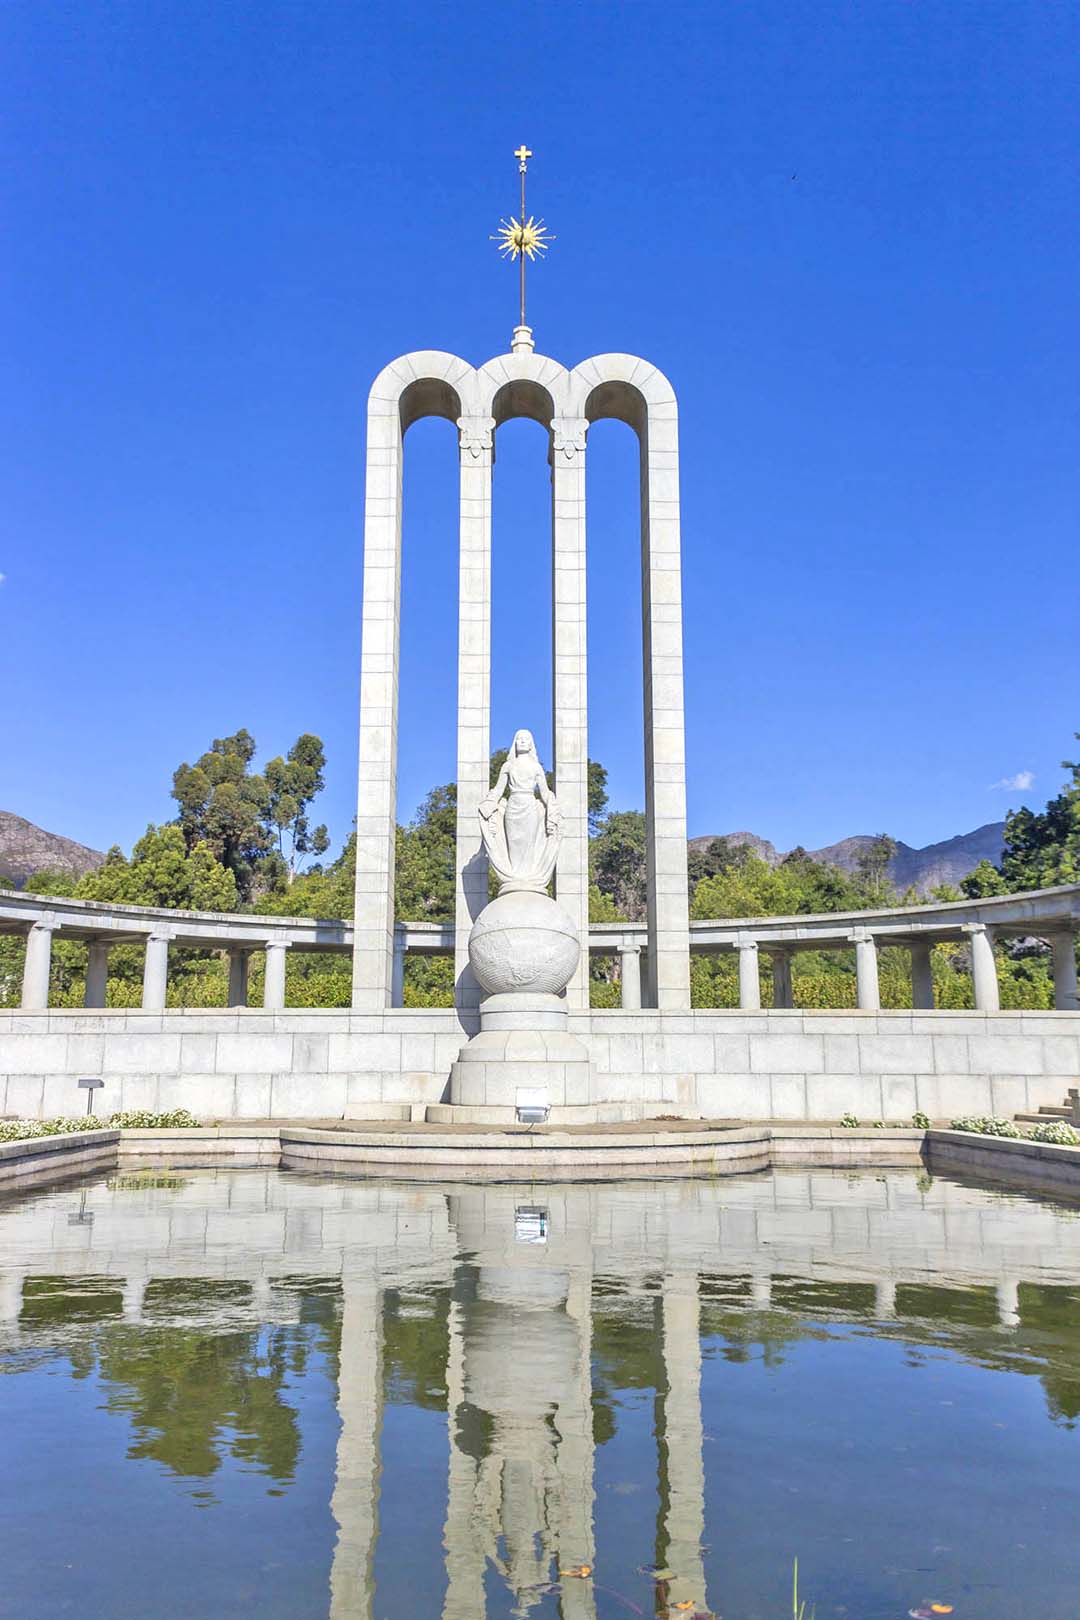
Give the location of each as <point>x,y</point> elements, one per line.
<point>253,1392</point>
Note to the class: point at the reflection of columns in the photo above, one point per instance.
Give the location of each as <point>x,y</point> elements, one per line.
<point>397,982</point>
<point>238,977</point>
<point>782,993</point>
<point>867,994</point>
<point>97,973</point>
<point>464,1559</point>
<point>984,978</point>
<point>922,976</point>
<point>680,1442</point>
<point>133,1296</point>
<point>274,982</point>
<point>1063,944</point>
<point>749,983</point>
<point>575,1458</point>
<point>1008,1302</point>
<point>761,1290</point>
<point>37,967</point>
<point>156,971</point>
<point>11,1292</point>
<point>570,743</point>
<point>630,974</point>
<point>355,1502</point>
<point>884,1297</point>
<point>476,446</point>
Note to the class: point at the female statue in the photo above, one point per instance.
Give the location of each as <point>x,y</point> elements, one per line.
<point>521,831</point>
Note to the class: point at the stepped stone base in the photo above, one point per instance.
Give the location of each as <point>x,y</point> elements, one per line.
<point>524,1056</point>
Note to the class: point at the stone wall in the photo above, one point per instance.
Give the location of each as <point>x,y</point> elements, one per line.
<point>318,1064</point>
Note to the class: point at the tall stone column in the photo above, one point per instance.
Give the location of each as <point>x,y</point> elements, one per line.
<point>867,990</point>
<point>355,1501</point>
<point>464,1558</point>
<point>1063,944</point>
<point>156,970</point>
<point>476,448</point>
<point>681,1443</point>
<point>576,1461</point>
<point>665,743</point>
<point>274,981</point>
<point>630,975</point>
<point>749,983</point>
<point>922,976</point>
<point>37,966</point>
<point>97,973</point>
<point>570,686</point>
<point>783,993</point>
<point>238,977</point>
<point>376,820</point>
<point>984,977</point>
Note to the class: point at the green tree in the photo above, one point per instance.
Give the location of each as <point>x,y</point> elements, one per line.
<point>292,783</point>
<point>617,860</point>
<point>1042,848</point>
<point>163,871</point>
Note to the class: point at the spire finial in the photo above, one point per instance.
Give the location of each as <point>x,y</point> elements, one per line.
<point>522,238</point>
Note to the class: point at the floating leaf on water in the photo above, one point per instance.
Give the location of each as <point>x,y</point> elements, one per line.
<point>921,1614</point>
<point>579,1571</point>
<point>941,1608</point>
<point>688,1603</point>
<point>656,1572</point>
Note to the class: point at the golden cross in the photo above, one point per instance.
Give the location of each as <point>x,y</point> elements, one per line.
<point>522,238</point>
<point>523,154</point>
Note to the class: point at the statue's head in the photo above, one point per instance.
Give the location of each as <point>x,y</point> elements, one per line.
<point>523,742</point>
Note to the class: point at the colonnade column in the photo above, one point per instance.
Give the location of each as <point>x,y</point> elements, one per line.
<point>570,684</point>
<point>355,1501</point>
<point>922,976</point>
<point>476,449</point>
<point>749,983</point>
<point>274,982</point>
<point>156,970</point>
<point>783,993</point>
<point>681,1442</point>
<point>37,966</point>
<point>1063,944</point>
<point>97,973</point>
<point>238,976</point>
<point>397,982</point>
<point>665,737</point>
<point>984,977</point>
<point>576,1459</point>
<point>867,991</point>
<point>630,975</point>
<point>464,1560</point>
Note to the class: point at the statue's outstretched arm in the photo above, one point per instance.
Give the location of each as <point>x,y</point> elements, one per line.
<point>487,806</point>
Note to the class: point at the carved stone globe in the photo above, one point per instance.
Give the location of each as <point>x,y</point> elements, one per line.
<point>523,942</point>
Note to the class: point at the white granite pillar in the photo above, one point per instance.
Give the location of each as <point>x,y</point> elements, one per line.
<point>397,984</point>
<point>570,742</point>
<point>884,1298</point>
<point>476,445</point>
<point>681,1441</point>
<point>464,1559</point>
<point>576,1459</point>
<point>922,976</point>
<point>133,1296</point>
<point>630,975</point>
<point>376,818</point>
<point>783,993</point>
<point>238,977</point>
<point>97,973</point>
<point>749,982</point>
<point>274,981</point>
<point>37,966</point>
<point>665,745</point>
<point>1063,945</point>
<point>867,991</point>
<point>156,970</point>
<point>355,1501</point>
<point>984,977</point>
<point>1008,1302</point>
<point>11,1296</point>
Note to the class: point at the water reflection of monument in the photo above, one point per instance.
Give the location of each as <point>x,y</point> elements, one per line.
<point>523,1328</point>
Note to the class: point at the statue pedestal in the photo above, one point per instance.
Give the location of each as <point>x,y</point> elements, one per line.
<point>523,1057</point>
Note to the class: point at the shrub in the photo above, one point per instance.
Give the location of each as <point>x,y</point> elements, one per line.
<point>920,1120</point>
<point>1058,1131</point>
<point>144,1119</point>
<point>21,1130</point>
<point>850,1122</point>
<point>987,1125</point>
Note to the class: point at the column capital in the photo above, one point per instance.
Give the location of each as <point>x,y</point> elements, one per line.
<point>568,435</point>
<point>163,933</point>
<point>745,942</point>
<point>861,936</point>
<point>973,928</point>
<point>273,944</point>
<point>476,436</point>
<point>46,924</point>
<point>628,948</point>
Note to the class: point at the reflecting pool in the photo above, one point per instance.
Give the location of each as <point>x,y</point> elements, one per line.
<point>254,1392</point>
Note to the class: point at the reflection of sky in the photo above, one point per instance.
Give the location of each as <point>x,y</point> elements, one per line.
<point>183,1458</point>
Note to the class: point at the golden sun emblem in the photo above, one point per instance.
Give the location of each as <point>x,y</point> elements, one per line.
<point>524,236</point>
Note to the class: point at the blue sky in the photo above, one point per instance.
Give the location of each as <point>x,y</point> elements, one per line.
<point>847,232</point>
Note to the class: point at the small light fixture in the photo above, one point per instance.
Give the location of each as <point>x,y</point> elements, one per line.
<point>533,1105</point>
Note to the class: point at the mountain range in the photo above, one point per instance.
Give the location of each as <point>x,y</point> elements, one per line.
<point>918,869</point>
